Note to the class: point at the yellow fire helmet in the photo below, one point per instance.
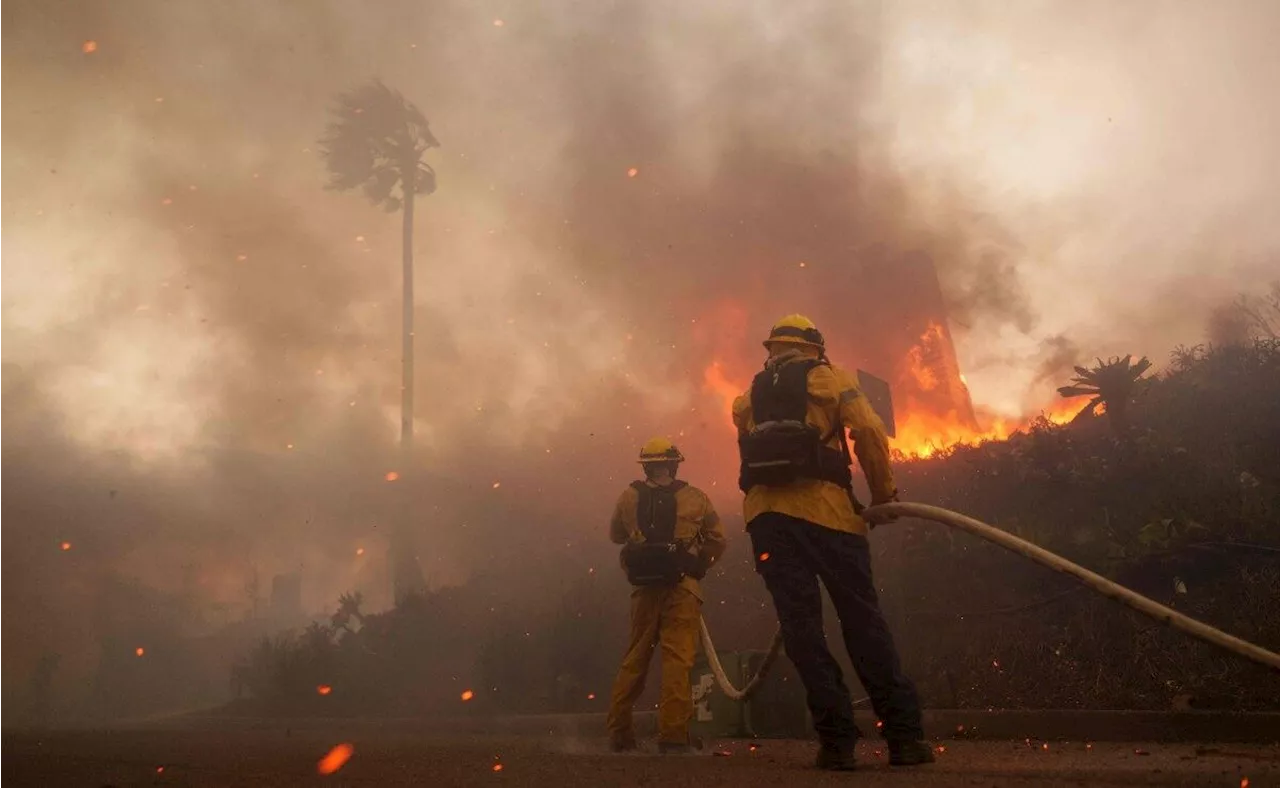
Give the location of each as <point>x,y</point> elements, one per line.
<point>660,450</point>
<point>798,330</point>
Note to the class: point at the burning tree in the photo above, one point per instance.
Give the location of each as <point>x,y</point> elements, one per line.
<point>376,141</point>
<point>1111,384</point>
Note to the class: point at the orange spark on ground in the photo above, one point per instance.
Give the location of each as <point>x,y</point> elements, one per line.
<point>942,748</point>
<point>66,546</point>
<point>497,767</point>
<point>89,47</point>
<point>467,695</point>
<point>391,476</point>
<point>335,759</point>
<point>359,551</point>
<point>764,556</point>
<point>139,651</point>
<point>633,172</point>
<point>159,770</point>
<point>324,689</point>
<point>591,696</point>
<point>496,485</point>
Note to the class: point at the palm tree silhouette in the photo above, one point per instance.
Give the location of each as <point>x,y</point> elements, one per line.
<point>1111,384</point>
<point>376,141</point>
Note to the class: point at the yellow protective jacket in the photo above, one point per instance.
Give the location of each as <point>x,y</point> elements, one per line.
<point>833,393</point>
<point>696,522</point>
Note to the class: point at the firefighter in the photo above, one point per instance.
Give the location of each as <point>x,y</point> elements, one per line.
<point>671,536</point>
<point>805,526</point>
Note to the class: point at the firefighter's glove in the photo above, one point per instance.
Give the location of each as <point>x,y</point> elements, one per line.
<point>693,565</point>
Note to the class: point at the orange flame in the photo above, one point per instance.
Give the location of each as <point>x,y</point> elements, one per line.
<point>715,381</point>
<point>497,767</point>
<point>89,47</point>
<point>467,695</point>
<point>139,651</point>
<point>336,758</point>
<point>66,546</point>
<point>391,476</point>
<point>324,689</point>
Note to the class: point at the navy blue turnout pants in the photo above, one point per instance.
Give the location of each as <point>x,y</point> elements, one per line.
<point>792,555</point>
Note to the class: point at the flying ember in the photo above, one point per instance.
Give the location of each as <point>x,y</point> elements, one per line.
<point>335,759</point>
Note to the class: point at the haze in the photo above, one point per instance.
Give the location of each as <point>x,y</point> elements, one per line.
<point>201,344</point>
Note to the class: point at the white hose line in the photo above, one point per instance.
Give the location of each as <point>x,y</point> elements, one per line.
<point>713,659</point>
<point>1095,581</point>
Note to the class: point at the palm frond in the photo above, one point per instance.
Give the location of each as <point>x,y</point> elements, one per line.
<point>375,141</point>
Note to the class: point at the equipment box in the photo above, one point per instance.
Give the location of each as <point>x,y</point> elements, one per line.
<point>777,709</point>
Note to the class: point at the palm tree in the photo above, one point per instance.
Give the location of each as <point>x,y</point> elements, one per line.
<point>1111,384</point>
<point>376,141</point>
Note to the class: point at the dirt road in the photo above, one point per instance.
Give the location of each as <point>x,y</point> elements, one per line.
<point>384,757</point>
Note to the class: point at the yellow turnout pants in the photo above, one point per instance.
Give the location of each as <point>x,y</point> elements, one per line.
<point>667,617</point>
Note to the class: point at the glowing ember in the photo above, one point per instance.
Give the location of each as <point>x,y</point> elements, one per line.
<point>336,758</point>
<point>359,551</point>
<point>391,476</point>
<point>591,696</point>
<point>497,767</point>
<point>498,23</point>
<point>324,689</point>
<point>159,770</point>
<point>1044,746</point>
<point>1088,746</point>
<point>764,556</point>
<point>359,239</point>
<point>942,748</point>
<point>139,651</point>
<point>467,695</point>
<point>89,47</point>
<point>242,257</point>
<point>496,485</point>
<point>633,172</point>
<point>1244,782</point>
<point>879,724</point>
<point>66,546</point>
<point>803,264</point>
<point>995,664</point>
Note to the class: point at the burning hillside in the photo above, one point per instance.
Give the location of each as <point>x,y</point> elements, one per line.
<point>913,350</point>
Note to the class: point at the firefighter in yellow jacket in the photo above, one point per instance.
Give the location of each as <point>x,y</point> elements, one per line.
<point>671,536</point>
<point>805,526</point>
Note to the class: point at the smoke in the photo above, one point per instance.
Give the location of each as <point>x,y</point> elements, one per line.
<point>202,344</point>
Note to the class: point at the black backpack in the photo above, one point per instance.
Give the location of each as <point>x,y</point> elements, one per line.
<point>660,559</point>
<point>784,448</point>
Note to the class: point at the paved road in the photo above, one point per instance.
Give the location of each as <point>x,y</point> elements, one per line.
<point>276,757</point>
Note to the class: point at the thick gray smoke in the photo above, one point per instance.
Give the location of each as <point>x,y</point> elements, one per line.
<point>202,344</point>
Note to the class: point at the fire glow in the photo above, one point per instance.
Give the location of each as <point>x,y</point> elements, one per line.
<point>932,410</point>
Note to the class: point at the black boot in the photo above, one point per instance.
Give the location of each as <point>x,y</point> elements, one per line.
<point>833,759</point>
<point>909,753</point>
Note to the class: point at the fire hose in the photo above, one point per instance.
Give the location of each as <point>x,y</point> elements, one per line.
<point>1022,547</point>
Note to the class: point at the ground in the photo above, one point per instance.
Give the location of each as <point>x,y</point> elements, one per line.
<point>381,756</point>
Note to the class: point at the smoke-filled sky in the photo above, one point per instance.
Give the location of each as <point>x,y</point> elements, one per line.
<point>201,343</point>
